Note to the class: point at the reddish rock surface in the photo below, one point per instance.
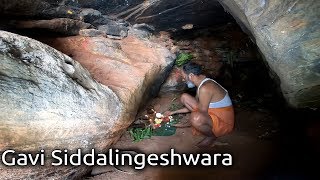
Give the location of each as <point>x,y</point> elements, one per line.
<point>132,68</point>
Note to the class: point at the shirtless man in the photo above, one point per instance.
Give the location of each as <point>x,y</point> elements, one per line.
<point>211,110</point>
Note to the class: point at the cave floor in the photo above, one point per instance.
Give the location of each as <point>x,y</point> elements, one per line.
<point>250,144</point>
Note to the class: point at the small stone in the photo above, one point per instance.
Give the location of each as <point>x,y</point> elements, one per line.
<point>92,33</point>
<point>187,26</point>
<point>89,15</point>
<point>114,31</point>
<point>144,27</point>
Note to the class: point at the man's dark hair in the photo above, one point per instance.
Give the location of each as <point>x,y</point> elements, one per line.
<point>192,68</point>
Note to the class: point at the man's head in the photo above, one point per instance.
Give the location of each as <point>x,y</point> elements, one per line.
<point>190,72</point>
<point>192,68</point>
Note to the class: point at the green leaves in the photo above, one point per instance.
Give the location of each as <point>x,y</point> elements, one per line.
<point>183,58</point>
<point>166,129</point>
<point>139,134</point>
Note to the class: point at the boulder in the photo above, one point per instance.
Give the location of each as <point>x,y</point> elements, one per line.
<point>143,34</point>
<point>114,31</point>
<point>64,26</point>
<point>89,15</point>
<point>288,35</point>
<point>44,92</point>
<point>49,101</point>
<point>92,33</point>
<point>141,30</point>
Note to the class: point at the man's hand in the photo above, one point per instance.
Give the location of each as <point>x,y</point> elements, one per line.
<point>168,113</point>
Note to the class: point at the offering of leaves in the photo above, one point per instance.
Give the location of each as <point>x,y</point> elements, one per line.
<point>160,125</point>
<point>159,119</point>
<point>183,58</point>
<point>139,134</point>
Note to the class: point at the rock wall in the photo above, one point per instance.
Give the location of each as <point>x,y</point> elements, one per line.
<point>49,101</point>
<point>288,35</point>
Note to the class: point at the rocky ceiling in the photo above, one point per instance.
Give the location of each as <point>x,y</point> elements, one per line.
<point>162,14</point>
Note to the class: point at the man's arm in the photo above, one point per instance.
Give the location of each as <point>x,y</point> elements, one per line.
<point>183,110</point>
<point>205,96</point>
<point>179,111</point>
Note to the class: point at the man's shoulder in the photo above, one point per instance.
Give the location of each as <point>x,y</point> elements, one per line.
<point>207,87</point>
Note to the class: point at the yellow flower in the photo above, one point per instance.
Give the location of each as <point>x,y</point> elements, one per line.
<point>157,121</point>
